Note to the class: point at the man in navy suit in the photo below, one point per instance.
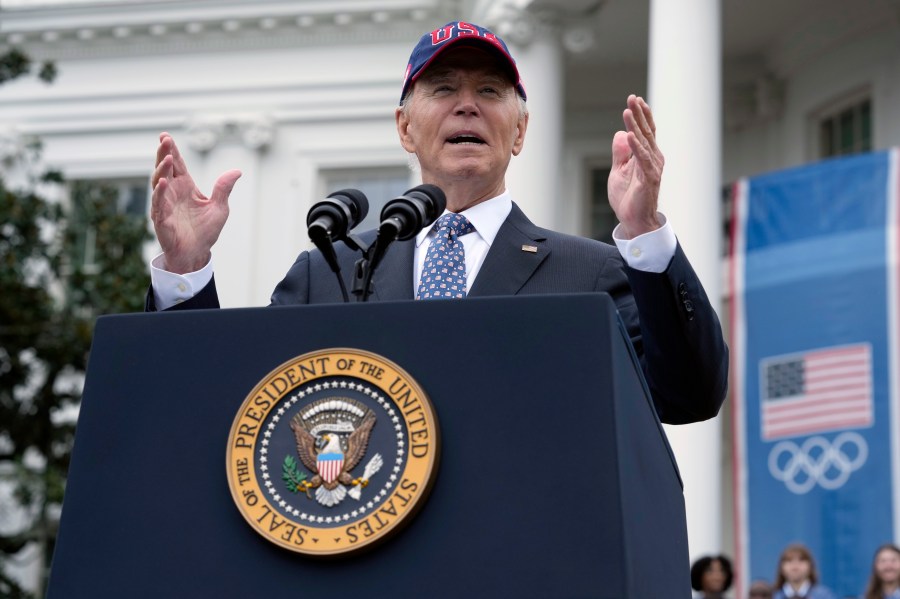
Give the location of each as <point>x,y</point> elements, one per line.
<point>463,116</point>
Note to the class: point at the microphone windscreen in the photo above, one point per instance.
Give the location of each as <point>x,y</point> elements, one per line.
<point>437,200</point>
<point>358,202</point>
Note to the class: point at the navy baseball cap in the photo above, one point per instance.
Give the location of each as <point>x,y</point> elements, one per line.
<point>435,42</point>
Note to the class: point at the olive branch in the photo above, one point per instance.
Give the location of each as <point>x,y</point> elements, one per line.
<point>291,475</point>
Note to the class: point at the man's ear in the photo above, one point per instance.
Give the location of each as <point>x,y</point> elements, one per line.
<point>519,140</point>
<point>403,125</point>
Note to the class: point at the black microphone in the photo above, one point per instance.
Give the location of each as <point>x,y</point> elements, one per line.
<point>333,217</point>
<point>403,217</point>
<point>331,220</point>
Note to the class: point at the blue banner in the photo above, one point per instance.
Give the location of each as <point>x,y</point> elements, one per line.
<point>814,329</point>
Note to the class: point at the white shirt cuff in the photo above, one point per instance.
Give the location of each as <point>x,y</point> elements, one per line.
<point>170,288</point>
<point>650,252</point>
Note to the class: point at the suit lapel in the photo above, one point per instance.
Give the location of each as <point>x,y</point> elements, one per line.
<point>507,266</point>
<point>393,279</point>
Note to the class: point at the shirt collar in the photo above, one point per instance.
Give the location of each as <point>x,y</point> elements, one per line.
<point>790,592</point>
<point>486,217</point>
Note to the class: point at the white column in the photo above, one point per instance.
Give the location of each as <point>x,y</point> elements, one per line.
<point>533,176</point>
<point>234,143</point>
<point>685,95</point>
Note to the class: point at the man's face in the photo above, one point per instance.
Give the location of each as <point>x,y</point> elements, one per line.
<point>463,119</point>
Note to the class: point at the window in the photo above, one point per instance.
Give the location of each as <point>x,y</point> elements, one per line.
<point>846,128</point>
<point>380,184</point>
<point>126,197</point>
<point>602,218</point>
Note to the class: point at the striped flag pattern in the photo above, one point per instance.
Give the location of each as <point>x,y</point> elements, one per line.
<point>330,465</point>
<point>817,391</point>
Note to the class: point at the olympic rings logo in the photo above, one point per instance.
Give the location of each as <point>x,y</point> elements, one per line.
<point>818,462</point>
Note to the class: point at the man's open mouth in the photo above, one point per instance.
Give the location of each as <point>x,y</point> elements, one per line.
<point>465,138</point>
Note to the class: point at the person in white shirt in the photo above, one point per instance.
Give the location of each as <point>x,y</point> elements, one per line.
<point>463,115</point>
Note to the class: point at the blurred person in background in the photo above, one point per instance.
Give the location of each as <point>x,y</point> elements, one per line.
<point>797,576</point>
<point>884,583</point>
<point>711,576</point>
<point>759,589</point>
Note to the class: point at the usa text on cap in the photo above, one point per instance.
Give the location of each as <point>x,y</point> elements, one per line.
<point>433,43</point>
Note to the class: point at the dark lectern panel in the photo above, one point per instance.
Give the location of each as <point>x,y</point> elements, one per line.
<point>549,484</point>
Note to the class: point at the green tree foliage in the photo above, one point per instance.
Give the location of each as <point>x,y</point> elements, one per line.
<point>15,63</point>
<point>50,297</point>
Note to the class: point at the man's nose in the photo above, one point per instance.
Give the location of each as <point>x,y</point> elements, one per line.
<point>467,102</point>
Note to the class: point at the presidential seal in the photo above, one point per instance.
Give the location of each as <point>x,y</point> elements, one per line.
<point>332,452</point>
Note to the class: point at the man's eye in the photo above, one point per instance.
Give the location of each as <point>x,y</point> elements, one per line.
<point>490,91</point>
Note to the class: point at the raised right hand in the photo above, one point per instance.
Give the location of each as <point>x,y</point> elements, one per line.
<point>187,223</point>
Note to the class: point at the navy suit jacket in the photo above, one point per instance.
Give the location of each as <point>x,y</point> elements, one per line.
<point>672,325</point>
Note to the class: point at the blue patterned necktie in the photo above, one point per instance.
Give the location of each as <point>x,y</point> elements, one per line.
<point>444,272</point>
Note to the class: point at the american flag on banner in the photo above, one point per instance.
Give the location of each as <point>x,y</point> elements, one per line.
<point>816,391</point>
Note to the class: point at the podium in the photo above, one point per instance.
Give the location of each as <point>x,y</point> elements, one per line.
<point>555,477</point>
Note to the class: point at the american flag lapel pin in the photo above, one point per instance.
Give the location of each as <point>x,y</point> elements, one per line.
<point>530,248</point>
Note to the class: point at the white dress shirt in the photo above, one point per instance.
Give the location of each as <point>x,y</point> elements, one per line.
<point>650,252</point>
<point>789,591</point>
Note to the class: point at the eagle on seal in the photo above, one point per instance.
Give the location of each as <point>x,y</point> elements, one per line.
<point>324,455</point>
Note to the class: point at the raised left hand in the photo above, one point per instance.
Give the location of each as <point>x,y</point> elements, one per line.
<point>636,172</point>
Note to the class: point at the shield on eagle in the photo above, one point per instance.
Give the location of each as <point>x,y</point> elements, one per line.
<point>330,465</point>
